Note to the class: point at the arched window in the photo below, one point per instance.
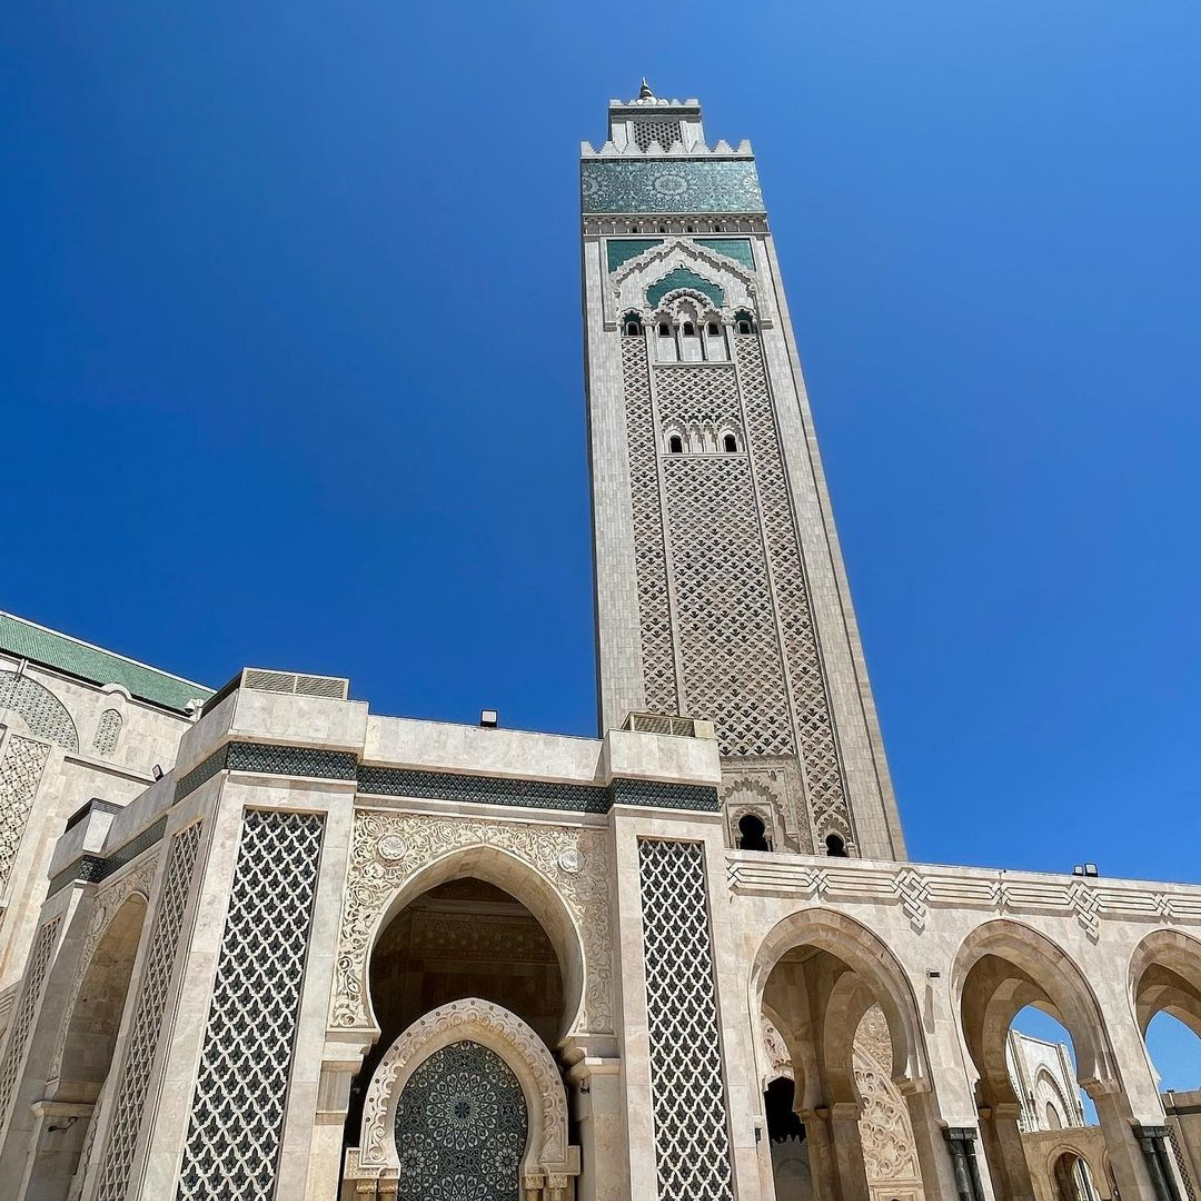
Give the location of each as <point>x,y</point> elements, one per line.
<point>675,444</point>
<point>744,327</point>
<point>752,834</point>
<point>688,229</point>
<point>836,848</point>
<point>663,229</point>
<point>664,330</point>
<point>633,327</point>
<point>731,444</point>
<point>689,330</point>
<point>714,329</point>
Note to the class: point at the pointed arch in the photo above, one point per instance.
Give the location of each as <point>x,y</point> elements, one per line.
<point>1033,970</point>
<point>865,953</point>
<point>1165,976</point>
<point>500,867</point>
<point>547,1151</point>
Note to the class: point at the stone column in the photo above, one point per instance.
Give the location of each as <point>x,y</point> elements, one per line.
<point>933,1150</point>
<point>848,1151</point>
<point>1153,1142</point>
<point>1126,1159</point>
<point>969,1183</point>
<point>1006,1154</point>
<point>597,1105</point>
<point>823,1163</point>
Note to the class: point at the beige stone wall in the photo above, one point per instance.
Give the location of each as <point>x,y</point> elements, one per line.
<point>64,743</point>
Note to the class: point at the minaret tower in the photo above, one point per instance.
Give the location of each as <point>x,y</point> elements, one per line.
<point>721,593</point>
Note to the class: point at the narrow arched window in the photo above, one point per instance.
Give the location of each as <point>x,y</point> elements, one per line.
<point>744,327</point>
<point>664,330</point>
<point>633,329</point>
<point>688,229</point>
<point>752,834</point>
<point>689,329</point>
<point>675,444</point>
<point>714,329</point>
<point>731,444</point>
<point>836,848</point>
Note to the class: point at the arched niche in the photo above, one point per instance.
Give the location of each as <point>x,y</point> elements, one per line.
<point>519,879</point>
<point>549,1161</point>
<point>87,1043</point>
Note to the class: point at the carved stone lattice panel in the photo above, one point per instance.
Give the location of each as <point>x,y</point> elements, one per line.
<point>654,607</point>
<point>20,774</point>
<point>824,781</point>
<point>27,1008</point>
<point>145,1029</point>
<point>889,1150</point>
<point>663,130</point>
<point>727,629</point>
<point>38,707</point>
<point>698,395</point>
<point>388,849</point>
<point>246,1062</point>
<point>461,1127</point>
<point>107,902</point>
<point>688,1096</point>
<point>108,730</point>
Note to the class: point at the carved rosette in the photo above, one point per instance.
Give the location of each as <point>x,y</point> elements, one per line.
<point>388,849</point>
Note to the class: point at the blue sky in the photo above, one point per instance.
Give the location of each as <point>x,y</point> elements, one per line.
<point>290,362</point>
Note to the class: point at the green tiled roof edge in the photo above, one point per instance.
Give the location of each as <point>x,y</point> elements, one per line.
<point>63,653</point>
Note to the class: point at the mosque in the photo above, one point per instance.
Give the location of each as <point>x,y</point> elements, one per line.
<point>264,943</point>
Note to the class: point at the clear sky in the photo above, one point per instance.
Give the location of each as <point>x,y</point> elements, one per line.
<point>290,362</point>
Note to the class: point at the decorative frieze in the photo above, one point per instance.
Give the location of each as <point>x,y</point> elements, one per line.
<point>918,890</point>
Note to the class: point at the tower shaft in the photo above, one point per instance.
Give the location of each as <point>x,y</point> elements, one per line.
<point>721,592</point>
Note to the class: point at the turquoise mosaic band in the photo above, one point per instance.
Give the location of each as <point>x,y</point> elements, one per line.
<point>670,186</point>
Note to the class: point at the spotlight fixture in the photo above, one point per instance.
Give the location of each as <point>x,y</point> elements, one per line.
<point>156,772</point>
<point>489,719</point>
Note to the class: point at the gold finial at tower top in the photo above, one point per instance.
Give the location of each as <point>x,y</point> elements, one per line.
<point>644,92</point>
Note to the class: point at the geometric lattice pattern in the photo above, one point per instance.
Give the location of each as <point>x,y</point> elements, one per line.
<point>664,185</point>
<point>27,1008</point>
<point>238,1110</point>
<point>688,1100</point>
<point>654,609</point>
<point>825,786</point>
<point>656,129</point>
<point>44,714</point>
<point>108,730</point>
<point>130,1097</point>
<point>20,774</point>
<point>461,1127</point>
<point>727,627</point>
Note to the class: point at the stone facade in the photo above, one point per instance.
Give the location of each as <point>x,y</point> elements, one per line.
<point>331,954</point>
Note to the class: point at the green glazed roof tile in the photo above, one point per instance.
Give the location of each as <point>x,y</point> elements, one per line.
<point>63,653</point>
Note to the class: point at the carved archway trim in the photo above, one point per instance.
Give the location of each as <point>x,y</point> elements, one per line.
<point>560,873</point>
<point>547,1151</point>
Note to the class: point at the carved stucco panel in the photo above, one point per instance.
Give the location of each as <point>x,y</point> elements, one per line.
<point>388,849</point>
